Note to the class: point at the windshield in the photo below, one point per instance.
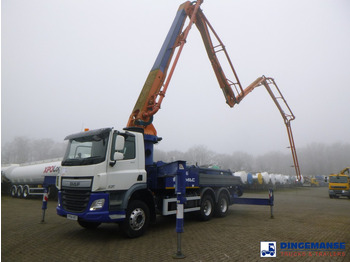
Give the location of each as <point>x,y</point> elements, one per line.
<point>338,179</point>
<point>86,150</point>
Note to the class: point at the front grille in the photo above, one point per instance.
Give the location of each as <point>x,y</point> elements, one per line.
<point>76,193</point>
<point>74,200</point>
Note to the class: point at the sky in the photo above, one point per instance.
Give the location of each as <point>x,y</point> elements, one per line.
<point>69,65</point>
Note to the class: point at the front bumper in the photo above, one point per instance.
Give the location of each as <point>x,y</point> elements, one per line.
<point>103,215</point>
<point>345,193</point>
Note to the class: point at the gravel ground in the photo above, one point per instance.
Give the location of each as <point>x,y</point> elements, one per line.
<point>300,215</point>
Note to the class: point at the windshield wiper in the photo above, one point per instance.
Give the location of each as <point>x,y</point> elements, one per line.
<point>92,160</point>
<point>82,161</point>
<point>70,161</point>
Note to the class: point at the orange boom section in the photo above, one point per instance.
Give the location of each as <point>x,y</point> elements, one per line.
<point>157,82</point>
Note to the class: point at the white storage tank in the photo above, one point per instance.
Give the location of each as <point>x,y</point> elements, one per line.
<point>28,179</point>
<point>278,178</point>
<point>272,179</point>
<point>265,177</point>
<point>243,175</point>
<point>32,174</point>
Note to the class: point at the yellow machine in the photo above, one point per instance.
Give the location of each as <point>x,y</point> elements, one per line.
<point>310,181</point>
<point>314,182</point>
<point>339,184</point>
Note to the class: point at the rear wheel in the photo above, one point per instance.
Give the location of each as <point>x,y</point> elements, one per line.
<point>26,192</point>
<point>13,191</point>
<point>137,219</point>
<point>222,206</point>
<point>207,208</point>
<point>19,192</point>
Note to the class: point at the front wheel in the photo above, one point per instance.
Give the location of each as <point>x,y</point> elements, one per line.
<point>137,219</point>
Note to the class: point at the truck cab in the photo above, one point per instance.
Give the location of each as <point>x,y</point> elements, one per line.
<point>100,171</point>
<point>339,184</point>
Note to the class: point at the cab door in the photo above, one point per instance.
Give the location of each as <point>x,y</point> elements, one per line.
<point>125,172</point>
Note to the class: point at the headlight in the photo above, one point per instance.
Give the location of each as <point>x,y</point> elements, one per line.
<point>97,204</point>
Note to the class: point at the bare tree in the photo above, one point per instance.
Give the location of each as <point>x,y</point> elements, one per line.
<point>200,155</point>
<point>22,150</point>
<point>314,159</point>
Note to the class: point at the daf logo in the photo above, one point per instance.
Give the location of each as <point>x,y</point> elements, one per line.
<point>74,183</point>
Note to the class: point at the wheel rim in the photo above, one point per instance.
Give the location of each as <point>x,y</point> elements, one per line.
<point>19,192</point>
<point>13,191</point>
<point>25,192</point>
<point>137,219</point>
<point>223,205</point>
<point>207,208</point>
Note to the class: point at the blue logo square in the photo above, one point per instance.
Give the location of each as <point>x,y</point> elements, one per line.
<point>268,249</point>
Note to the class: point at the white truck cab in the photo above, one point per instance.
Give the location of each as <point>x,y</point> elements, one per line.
<point>100,171</point>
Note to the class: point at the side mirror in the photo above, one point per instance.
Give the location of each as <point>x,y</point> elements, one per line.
<point>118,156</point>
<point>119,143</point>
<point>118,146</point>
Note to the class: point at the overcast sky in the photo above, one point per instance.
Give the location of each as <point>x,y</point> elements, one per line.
<point>69,65</point>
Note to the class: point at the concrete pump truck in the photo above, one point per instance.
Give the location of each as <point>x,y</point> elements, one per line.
<point>109,176</point>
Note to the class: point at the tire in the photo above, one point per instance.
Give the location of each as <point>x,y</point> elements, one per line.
<point>88,225</point>
<point>136,220</point>
<point>13,191</point>
<point>207,208</point>
<point>53,193</point>
<point>25,192</point>
<point>222,206</point>
<point>239,191</point>
<point>19,192</point>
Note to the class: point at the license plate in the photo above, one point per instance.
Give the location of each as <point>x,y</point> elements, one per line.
<point>72,217</point>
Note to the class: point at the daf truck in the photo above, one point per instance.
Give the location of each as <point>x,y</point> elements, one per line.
<point>109,175</point>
